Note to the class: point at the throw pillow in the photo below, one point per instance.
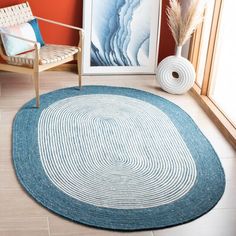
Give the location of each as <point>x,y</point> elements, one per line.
<point>29,30</point>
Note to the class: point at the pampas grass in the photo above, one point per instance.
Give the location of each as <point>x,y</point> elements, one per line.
<point>183,22</point>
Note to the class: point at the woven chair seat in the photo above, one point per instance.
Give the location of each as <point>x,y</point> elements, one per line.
<point>48,54</point>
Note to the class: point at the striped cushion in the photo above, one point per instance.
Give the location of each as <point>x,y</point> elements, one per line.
<point>29,30</point>
<point>48,54</point>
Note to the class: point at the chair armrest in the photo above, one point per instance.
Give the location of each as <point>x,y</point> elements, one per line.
<point>59,23</point>
<point>21,38</point>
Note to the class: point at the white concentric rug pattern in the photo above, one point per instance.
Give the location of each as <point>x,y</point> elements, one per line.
<point>114,151</point>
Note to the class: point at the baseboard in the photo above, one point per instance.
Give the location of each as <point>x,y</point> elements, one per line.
<point>217,117</point>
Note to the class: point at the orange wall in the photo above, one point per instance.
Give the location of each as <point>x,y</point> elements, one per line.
<point>167,44</point>
<point>70,12</point>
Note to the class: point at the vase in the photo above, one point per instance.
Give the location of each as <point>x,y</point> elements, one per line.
<point>176,74</point>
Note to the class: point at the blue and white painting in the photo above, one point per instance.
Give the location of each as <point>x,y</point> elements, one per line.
<point>120,32</point>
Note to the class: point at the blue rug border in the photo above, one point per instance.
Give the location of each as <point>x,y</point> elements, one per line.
<point>125,220</point>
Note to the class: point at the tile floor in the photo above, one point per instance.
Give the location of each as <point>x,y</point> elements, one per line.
<point>22,216</point>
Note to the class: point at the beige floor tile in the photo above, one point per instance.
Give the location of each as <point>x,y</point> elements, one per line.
<point>106,233</point>
<point>25,233</point>
<point>141,233</point>
<point>7,116</point>
<point>222,147</point>
<point>228,199</point>
<point>217,140</point>
<point>17,90</point>
<point>5,137</point>
<point>5,162</point>
<point>16,203</point>
<point>60,226</point>
<point>12,102</point>
<point>15,78</point>
<point>214,223</point>
<point>23,223</point>
<point>8,180</point>
<point>37,226</point>
<point>5,154</point>
<point>229,165</point>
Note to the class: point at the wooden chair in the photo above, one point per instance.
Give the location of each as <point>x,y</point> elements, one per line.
<point>40,59</point>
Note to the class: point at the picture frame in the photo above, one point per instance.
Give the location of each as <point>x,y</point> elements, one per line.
<point>121,36</point>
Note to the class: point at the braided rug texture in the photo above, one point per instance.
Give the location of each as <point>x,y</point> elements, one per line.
<point>115,158</point>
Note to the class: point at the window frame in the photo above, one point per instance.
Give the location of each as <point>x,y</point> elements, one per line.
<point>202,93</point>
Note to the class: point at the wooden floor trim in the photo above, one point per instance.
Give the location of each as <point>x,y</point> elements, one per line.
<point>218,118</point>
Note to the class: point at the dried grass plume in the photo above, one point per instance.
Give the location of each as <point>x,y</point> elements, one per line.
<point>183,22</point>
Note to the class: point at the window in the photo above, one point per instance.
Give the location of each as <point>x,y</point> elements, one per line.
<point>222,90</point>
<point>212,52</point>
<point>206,30</point>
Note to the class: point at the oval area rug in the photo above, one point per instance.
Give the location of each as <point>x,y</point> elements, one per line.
<point>115,158</point>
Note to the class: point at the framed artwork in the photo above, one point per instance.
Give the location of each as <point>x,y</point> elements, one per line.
<point>121,36</point>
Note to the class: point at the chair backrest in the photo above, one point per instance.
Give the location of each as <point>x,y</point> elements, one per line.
<point>14,15</point>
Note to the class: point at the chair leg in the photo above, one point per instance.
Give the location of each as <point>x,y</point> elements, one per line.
<point>79,67</point>
<point>36,86</point>
<point>80,78</point>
